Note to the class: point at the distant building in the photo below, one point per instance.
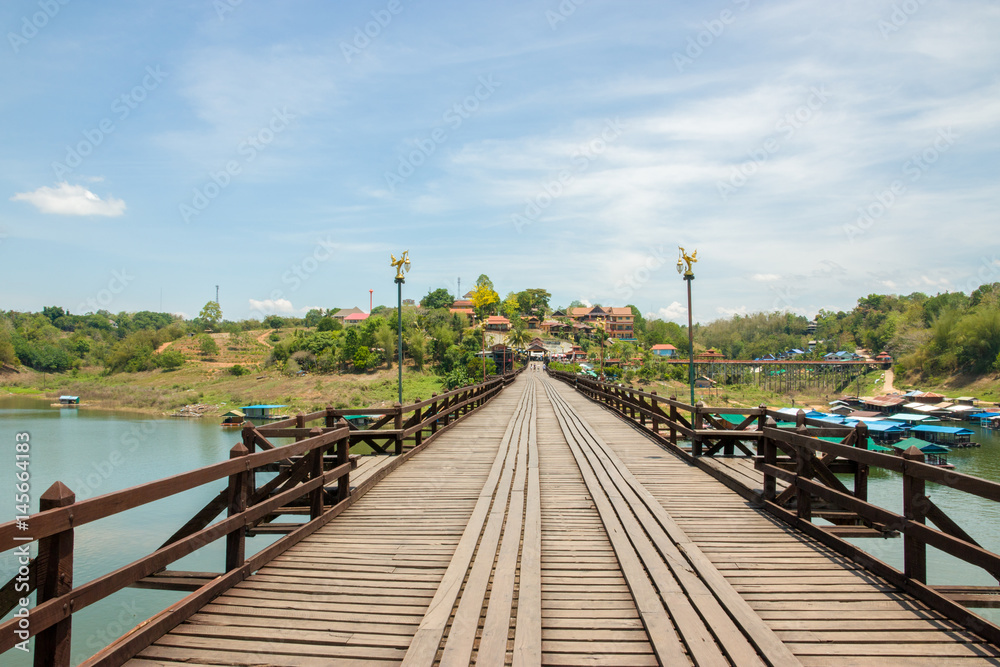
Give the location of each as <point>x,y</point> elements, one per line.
<point>355,318</point>
<point>344,312</point>
<point>664,350</point>
<point>497,323</point>
<point>618,322</point>
<point>710,354</point>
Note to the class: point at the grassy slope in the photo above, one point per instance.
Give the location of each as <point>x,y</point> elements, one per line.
<point>209,381</point>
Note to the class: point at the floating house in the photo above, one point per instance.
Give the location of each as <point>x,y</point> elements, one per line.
<point>233,419</point>
<point>69,401</point>
<point>263,411</point>
<point>947,435</point>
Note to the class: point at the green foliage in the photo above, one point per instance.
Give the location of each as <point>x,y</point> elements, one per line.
<point>238,370</point>
<point>456,378</point>
<point>313,317</point>
<point>363,359</point>
<point>207,345</point>
<point>169,360</point>
<point>328,324</point>
<point>273,322</point>
<point>211,315</point>
<point>439,298</point>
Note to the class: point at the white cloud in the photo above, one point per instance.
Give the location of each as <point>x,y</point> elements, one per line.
<point>675,311</point>
<point>765,277</point>
<point>272,306</point>
<point>66,199</point>
<point>729,312</point>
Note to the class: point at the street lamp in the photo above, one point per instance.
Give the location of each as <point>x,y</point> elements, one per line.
<point>688,277</point>
<point>600,325</point>
<point>401,265</point>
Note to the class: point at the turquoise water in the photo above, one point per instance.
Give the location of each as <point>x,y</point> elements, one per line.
<point>95,452</point>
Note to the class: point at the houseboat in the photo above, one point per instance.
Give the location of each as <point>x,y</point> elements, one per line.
<point>934,453</point>
<point>263,411</point>
<point>67,402</point>
<point>950,436</point>
<point>233,419</point>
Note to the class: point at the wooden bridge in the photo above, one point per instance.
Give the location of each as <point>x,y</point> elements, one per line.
<point>556,521</point>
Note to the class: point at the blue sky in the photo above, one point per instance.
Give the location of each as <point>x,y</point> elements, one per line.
<point>811,152</point>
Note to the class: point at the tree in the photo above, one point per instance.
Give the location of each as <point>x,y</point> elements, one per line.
<point>328,324</point>
<point>439,298</point>
<point>313,317</point>
<point>484,279</point>
<point>484,299</point>
<point>211,315</point>
<point>207,345</point>
<point>385,338</point>
<point>511,307</point>
<point>416,345</point>
<point>363,358</point>
<point>169,360</point>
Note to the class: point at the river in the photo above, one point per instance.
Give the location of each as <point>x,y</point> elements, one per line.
<point>94,452</point>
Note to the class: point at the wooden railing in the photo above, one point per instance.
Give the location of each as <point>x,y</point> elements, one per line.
<point>809,466</point>
<point>313,477</point>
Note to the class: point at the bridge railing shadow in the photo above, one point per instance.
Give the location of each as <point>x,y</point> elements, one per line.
<point>313,479</point>
<point>800,462</point>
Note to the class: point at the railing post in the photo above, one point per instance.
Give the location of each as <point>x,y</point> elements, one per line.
<point>434,411</point>
<point>54,568</point>
<point>418,437</point>
<point>300,422</point>
<point>861,469</point>
<point>236,540</point>
<point>343,456</point>
<point>315,470</point>
<point>653,405</point>
<point>914,550</point>
<point>398,425</point>
<point>770,452</point>
<point>250,442</point>
<point>803,499</point>
<point>697,420</point>
<point>331,418</point>
<point>673,420</point>
<point>762,421</point>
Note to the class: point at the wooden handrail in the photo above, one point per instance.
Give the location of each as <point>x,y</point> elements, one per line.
<point>307,477</point>
<point>807,471</point>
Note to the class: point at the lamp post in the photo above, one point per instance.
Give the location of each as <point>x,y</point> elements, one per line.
<point>688,277</point>
<point>402,264</point>
<point>600,325</point>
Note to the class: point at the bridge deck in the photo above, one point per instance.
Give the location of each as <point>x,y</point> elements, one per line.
<point>544,530</point>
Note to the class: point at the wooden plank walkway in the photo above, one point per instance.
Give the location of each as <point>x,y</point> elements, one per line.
<point>544,530</point>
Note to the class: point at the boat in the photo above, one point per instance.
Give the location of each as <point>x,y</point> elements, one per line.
<point>233,419</point>
<point>67,402</point>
